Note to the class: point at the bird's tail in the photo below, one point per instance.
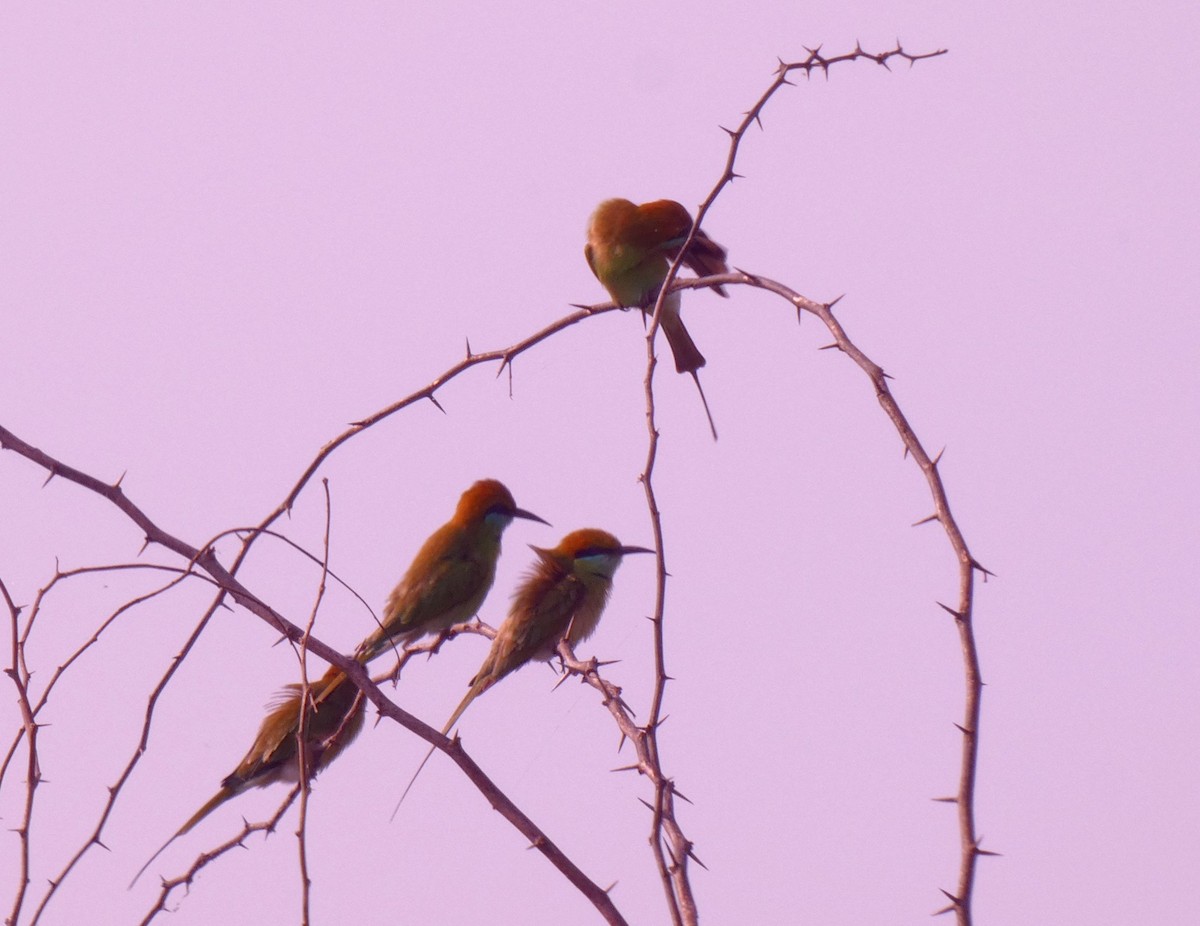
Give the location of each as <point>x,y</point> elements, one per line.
<point>213,803</point>
<point>478,685</point>
<point>688,358</point>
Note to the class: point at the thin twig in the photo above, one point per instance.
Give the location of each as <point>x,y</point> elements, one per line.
<point>33,775</point>
<point>302,756</point>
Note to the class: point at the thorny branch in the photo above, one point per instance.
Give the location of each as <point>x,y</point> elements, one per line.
<point>673,872</point>
<point>207,560</point>
<point>33,775</point>
<point>671,848</point>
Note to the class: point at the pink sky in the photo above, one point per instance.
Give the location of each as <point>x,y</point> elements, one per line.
<point>227,233</point>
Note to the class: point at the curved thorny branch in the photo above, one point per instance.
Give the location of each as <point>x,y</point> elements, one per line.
<point>672,850</point>
<point>673,870</point>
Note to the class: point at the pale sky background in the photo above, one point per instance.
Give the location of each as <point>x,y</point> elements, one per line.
<point>229,231</point>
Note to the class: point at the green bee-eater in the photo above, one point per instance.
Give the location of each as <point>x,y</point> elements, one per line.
<point>630,249</point>
<point>445,585</point>
<point>561,597</point>
<point>333,720</point>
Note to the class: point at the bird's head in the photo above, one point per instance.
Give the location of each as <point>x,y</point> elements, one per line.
<point>489,501</point>
<point>591,551</point>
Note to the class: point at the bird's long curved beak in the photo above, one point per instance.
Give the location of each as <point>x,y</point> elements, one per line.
<point>625,551</point>
<point>529,516</point>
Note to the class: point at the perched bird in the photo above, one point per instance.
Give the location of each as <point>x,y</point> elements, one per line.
<point>445,585</point>
<point>561,597</point>
<point>630,249</point>
<point>334,717</point>
<point>451,574</point>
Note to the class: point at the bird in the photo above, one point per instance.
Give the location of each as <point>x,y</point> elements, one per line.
<point>333,719</point>
<point>630,249</point>
<point>451,573</point>
<point>446,584</point>
<point>561,597</point>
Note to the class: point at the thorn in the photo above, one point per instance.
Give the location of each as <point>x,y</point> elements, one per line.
<point>945,800</point>
<point>683,797</point>
<point>48,478</point>
<point>436,403</point>
<point>828,346</point>
<point>954,900</point>
<point>938,458</point>
<point>695,858</point>
<point>830,305</point>
<point>979,851</point>
<point>649,806</point>
<point>626,768</point>
<point>734,175</point>
<point>932,517</point>
<point>469,354</point>
<point>608,890</point>
<point>949,909</point>
<point>975,564</point>
<point>120,479</point>
<point>730,132</point>
<point>963,730</point>
<point>949,610</point>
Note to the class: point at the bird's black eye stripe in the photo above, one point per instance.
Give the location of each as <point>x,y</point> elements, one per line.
<point>592,551</point>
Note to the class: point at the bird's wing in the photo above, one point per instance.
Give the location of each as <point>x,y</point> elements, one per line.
<point>451,590</point>
<point>274,745</point>
<point>537,636</point>
<point>705,257</point>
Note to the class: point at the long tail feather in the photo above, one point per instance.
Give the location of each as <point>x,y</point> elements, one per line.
<point>711,424</point>
<point>213,803</point>
<point>477,688</point>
